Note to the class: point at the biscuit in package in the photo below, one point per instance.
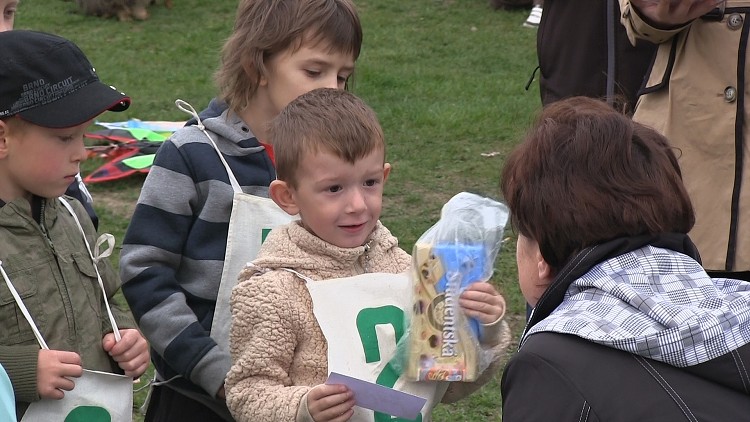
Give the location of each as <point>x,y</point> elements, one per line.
<point>443,344</point>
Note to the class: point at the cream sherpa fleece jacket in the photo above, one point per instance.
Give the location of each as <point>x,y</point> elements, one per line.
<point>278,350</point>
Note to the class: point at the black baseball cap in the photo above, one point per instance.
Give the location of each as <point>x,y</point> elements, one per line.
<point>48,81</point>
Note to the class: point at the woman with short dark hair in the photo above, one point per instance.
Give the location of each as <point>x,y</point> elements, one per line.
<point>626,323</point>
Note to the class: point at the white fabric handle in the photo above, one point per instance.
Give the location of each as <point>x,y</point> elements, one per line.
<point>24,311</point>
<point>187,108</point>
<point>95,259</point>
<point>298,274</point>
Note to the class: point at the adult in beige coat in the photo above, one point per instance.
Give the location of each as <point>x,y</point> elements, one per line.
<point>695,94</point>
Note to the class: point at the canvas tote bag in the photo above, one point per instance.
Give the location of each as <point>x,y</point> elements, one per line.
<point>251,219</point>
<point>362,319</point>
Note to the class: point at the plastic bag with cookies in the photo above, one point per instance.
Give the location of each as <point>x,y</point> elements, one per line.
<point>460,249</point>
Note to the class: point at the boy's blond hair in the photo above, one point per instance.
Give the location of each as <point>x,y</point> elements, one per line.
<point>324,119</point>
<point>264,28</point>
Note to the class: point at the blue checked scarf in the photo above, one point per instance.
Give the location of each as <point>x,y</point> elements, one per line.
<point>656,303</point>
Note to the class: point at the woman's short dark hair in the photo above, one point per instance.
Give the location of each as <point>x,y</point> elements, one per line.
<point>585,174</point>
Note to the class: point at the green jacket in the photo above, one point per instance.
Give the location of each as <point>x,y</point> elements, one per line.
<point>54,275</point>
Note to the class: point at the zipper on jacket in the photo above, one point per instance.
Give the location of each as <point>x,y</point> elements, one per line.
<point>43,227</point>
<point>67,304</point>
<point>365,258</point>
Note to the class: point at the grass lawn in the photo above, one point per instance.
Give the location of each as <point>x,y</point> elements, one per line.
<point>446,78</point>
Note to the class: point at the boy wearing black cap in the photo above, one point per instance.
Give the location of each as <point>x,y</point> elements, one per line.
<point>77,189</point>
<point>49,95</point>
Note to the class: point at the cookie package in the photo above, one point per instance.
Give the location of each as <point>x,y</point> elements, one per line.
<point>460,249</point>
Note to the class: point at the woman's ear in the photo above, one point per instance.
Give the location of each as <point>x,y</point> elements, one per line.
<point>283,195</point>
<point>545,271</point>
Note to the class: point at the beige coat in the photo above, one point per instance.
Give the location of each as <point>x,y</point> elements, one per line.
<point>694,97</point>
<point>278,349</point>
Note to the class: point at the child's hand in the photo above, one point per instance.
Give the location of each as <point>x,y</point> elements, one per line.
<point>330,403</point>
<point>481,301</point>
<point>130,353</point>
<point>54,369</point>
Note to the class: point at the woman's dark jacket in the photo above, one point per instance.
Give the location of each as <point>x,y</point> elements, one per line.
<point>562,377</point>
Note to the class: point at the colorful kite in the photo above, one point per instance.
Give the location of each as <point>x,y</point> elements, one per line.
<point>129,147</point>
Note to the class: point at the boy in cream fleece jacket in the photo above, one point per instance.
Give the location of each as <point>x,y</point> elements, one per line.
<point>330,157</point>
